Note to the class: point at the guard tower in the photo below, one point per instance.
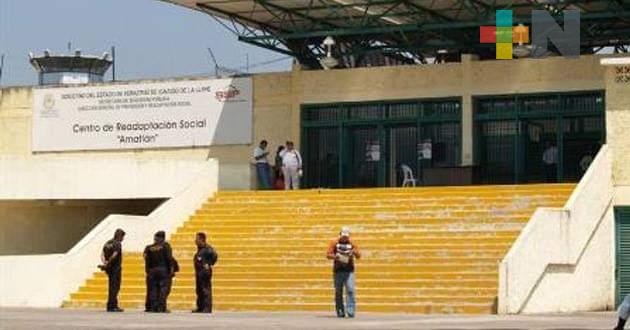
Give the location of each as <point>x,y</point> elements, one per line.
<point>70,69</point>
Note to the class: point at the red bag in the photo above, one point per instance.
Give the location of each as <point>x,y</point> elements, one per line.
<point>279,184</point>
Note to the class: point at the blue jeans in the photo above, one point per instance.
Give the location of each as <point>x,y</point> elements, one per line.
<point>263,170</point>
<point>624,308</point>
<point>344,279</point>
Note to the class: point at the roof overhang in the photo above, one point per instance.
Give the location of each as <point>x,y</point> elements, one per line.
<point>407,31</point>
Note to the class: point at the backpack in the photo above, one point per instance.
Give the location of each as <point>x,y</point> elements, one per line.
<point>213,256</point>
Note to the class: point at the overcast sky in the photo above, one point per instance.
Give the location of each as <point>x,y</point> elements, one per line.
<point>153,39</point>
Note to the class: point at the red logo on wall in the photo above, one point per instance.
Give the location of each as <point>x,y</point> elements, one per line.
<point>227,94</point>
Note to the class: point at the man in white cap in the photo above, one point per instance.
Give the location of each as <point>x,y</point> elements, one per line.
<point>343,251</point>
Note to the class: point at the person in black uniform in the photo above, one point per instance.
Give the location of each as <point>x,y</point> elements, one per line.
<point>111,259</point>
<point>169,284</point>
<point>157,265</point>
<point>169,281</point>
<point>204,259</point>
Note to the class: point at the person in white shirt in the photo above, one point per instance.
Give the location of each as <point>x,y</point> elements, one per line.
<point>550,162</point>
<point>263,170</point>
<point>291,167</point>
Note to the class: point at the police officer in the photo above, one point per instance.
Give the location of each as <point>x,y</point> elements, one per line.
<point>111,259</point>
<point>204,259</point>
<point>169,281</point>
<point>157,260</point>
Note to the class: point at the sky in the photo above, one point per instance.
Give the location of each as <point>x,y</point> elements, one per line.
<point>153,39</point>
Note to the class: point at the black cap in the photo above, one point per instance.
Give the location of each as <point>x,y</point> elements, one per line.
<point>119,232</point>
<point>160,234</point>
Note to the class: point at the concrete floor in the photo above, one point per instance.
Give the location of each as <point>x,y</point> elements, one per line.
<point>64,319</point>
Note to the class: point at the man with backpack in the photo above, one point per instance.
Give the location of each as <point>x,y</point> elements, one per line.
<point>111,259</point>
<point>204,259</point>
<point>344,251</point>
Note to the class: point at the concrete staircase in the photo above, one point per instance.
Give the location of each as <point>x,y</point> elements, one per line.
<point>425,250</point>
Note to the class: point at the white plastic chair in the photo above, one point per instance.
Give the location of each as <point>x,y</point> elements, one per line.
<point>408,178</point>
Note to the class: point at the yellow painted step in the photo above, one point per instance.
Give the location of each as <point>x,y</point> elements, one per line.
<point>293,299</point>
<point>427,308</point>
<point>179,290</point>
<point>426,250</point>
<point>301,283</point>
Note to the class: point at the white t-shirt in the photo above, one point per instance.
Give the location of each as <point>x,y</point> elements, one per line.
<point>550,156</point>
<point>259,152</point>
<point>291,158</point>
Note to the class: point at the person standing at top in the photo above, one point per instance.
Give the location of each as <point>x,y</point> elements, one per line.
<point>204,259</point>
<point>550,162</point>
<point>344,251</point>
<point>277,169</point>
<point>291,167</point>
<point>158,258</point>
<point>263,170</point>
<point>111,259</point>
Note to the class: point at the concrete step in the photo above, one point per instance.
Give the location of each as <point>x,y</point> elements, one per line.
<point>296,299</point>
<point>487,196</point>
<point>101,291</point>
<point>425,250</point>
<point>395,266</point>
<point>187,253</point>
<point>322,274</point>
<point>372,232</point>
<point>312,283</point>
<point>336,213</point>
<point>416,308</point>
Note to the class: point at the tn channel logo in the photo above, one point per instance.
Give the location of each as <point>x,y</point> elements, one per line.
<point>544,28</point>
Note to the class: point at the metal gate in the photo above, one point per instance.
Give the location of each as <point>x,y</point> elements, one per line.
<point>622,235</point>
<point>513,134</point>
<point>366,144</point>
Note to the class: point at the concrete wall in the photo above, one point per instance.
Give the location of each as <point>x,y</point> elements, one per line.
<point>278,98</point>
<point>54,226</point>
<point>43,207</point>
<point>272,97</point>
<point>64,273</point>
<point>563,259</point>
<point>618,117</point>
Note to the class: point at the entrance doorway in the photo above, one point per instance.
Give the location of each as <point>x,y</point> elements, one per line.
<point>622,244</point>
<point>537,138</point>
<point>367,144</point>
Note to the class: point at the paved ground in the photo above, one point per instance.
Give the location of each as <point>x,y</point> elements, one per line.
<point>64,319</point>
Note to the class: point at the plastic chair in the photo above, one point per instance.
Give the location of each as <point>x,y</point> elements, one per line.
<point>408,178</point>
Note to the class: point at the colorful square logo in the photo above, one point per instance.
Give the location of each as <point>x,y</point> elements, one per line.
<point>504,34</point>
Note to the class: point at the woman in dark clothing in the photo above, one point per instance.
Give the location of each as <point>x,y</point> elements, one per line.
<point>277,170</point>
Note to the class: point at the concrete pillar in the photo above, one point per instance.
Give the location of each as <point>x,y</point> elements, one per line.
<point>617,82</point>
<point>467,109</point>
<point>296,103</point>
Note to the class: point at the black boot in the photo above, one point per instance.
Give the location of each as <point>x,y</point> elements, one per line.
<point>620,324</point>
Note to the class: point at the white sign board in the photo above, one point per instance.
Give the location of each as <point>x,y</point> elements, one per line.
<point>152,115</point>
